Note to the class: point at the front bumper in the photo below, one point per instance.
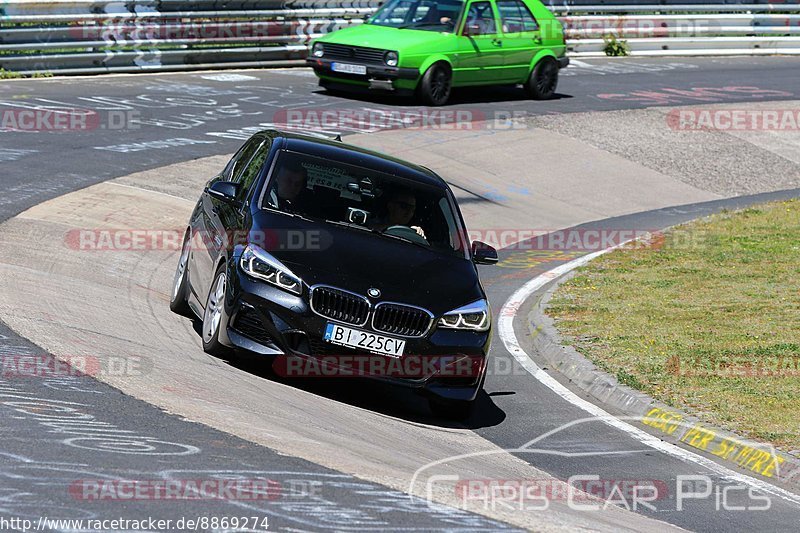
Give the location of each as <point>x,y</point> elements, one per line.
<point>267,321</point>
<point>397,77</point>
<point>563,62</point>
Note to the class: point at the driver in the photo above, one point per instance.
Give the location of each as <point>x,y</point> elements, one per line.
<point>291,181</point>
<point>400,210</point>
<point>433,17</point>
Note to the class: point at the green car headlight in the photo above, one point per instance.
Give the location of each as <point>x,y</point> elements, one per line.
<point>391,59</point>
<point>318,50</point>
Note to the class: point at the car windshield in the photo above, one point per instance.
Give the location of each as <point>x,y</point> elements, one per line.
<point>431,15</point>
<point>362,199</point>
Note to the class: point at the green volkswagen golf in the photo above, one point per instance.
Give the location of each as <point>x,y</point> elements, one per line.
<point>427,47</point>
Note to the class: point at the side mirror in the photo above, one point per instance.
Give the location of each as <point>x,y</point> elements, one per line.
<point>472,29</point>
<point>483,254</point>
<point>225,191</point>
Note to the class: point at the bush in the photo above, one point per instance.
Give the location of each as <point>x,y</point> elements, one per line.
<point>615,47</point>
<point>6,74</point>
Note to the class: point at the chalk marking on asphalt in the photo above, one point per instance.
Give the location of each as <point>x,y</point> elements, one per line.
<point>150,190</point>
<point>506,332</point>
<point>582,64</point>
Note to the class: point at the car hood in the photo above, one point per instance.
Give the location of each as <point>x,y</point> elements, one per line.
<point>386,38</point>
<point>356,260</point>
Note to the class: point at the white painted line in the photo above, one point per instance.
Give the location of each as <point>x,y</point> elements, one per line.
<point>506,332</point>
<point>228,77</point>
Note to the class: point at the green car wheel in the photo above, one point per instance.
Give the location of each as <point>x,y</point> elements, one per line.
<point>436,85</point>
<point>543,80</point>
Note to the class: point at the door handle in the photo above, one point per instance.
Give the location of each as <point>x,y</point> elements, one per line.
<point>497,42</point>
<point>537,40</point>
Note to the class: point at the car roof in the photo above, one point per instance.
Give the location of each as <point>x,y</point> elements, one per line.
<point>354,155</point>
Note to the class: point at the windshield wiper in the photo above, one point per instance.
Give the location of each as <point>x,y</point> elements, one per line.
<point>421,25</point>
<point>349,225</point>
<point>377,232</point>
<point>399,238</point>
<point>289,213</point>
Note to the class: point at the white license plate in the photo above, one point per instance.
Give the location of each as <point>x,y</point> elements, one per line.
<point>356,338</point>
<point>349,68</point>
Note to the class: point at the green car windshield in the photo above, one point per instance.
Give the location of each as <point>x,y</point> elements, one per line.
<point>430,15</point>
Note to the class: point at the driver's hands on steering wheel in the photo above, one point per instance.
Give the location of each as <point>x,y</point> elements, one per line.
<point>419,231</point>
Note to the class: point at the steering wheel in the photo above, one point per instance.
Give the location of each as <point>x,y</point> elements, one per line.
<point>406,233</point>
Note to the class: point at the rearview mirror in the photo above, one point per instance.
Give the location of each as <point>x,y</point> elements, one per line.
<point>483,254</point>
<point>225,191</point>
<point>365,187</point>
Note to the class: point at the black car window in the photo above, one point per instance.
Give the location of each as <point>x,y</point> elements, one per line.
<point>481,16</point>
<point>516,17</point>
<point>253,169</point>
<point>234,168</point>
<point>363,199</point>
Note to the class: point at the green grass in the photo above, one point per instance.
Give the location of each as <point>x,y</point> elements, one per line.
<point>700,321</point>
<point>10,74</point>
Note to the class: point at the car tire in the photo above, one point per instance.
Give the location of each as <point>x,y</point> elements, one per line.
<point>214,313</point>
<point>180,285</point>
<point>436,85</point>
<point>543,81</point>
<point>452,409</point>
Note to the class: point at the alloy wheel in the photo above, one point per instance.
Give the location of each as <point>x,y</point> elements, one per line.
<point>213,313</point>
<point>180,272</point>
<point>546,84</point>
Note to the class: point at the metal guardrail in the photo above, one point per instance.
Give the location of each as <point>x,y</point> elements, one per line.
<point>92,36</point>
<point>632,26</point>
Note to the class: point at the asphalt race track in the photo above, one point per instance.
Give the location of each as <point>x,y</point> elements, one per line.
<point>209,114</point>
<point>141,123</point>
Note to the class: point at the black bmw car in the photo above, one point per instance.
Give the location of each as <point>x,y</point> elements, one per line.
<point>332,260</point>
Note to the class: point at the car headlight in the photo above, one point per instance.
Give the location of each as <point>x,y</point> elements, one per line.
<point>260,265</point>
<point>391,59</point>
<point>317,50</point>
<point>475,316</point>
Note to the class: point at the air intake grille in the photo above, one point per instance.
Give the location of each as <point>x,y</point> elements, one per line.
<point>340,305</point>
<point>249,324</point>
<point>353,53</point>
<point>401,320</point>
